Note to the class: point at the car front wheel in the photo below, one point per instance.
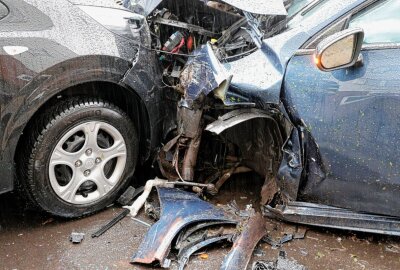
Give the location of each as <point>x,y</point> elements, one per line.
<point>82,153</point>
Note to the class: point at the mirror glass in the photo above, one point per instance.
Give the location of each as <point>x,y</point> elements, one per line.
<point>339,53</point>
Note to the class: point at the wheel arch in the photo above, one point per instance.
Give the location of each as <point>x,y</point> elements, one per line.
<point>111,78</point>
<point>123,97</point>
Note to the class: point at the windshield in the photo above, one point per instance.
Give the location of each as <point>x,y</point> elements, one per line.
<point>301,10</point>
<point>307,13</point>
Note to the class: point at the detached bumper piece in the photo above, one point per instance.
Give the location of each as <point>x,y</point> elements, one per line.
<point>179,209</point>
<point>332,217</point>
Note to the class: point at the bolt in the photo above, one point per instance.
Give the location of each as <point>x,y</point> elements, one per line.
<point>88,152</point>
<point>78,163</point>
<point>98,160</point>
<point>86,173</point>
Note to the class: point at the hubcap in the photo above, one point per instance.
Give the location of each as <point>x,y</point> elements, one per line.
<point>87,163</point>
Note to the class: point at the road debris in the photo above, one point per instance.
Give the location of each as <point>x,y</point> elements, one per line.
<point>47,221</point>
<point>392,248</point>
<point>203,256</point>
<point>111,223</point>
<point>76,238</point>
<point>179,209</point>
<point>157,182</point>
<point>185,234</point>
<point>129,194</point>
<point>185,253</point>
<point>141,222</point>
<point>140,201</point>
<point>282,263</point>
<point>240,254</point>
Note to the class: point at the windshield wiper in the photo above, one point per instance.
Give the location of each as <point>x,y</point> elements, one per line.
<point>254,29</point>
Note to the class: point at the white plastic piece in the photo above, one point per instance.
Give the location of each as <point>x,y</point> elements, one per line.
<point>139,202</point>
<point>15,50</point>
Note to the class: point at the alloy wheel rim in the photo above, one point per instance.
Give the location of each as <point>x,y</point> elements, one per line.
<point>92,167</point>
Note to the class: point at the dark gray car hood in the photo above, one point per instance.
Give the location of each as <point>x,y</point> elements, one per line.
<point>265,7</point>
<point>97,3</point>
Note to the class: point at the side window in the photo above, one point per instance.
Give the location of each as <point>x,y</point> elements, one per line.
<point>3,11</point>
<point>380,22</point>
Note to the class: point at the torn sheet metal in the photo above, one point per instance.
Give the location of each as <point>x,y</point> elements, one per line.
<point>203,74</point>
<point>183,236</point>
<point>291,167</point>
<point>332,217</point>
<point>184,254</point>
<point>234,118</point>
<point>178,210</point>
<point>268,190</point>
<point>264,7</point>
<point>240,254</point>
<point>275,244</point>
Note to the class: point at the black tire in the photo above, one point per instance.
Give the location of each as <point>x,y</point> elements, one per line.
<point>48,129</point>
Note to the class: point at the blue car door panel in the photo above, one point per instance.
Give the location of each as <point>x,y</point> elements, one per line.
<point>353,115</point>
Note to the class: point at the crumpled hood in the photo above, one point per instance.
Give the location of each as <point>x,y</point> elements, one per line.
<point>97,3</point>
<point>264,7</point>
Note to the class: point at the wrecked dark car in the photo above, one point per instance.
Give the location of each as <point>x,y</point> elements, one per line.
<point>310,106</point>
<point>87,90</point>
<point>78,102</point>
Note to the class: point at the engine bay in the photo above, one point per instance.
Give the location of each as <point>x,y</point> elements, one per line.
<point>178,28</point>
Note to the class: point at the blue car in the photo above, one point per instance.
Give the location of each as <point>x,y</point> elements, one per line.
<point>313,109</point>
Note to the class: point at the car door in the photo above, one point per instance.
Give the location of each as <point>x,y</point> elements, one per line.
<point>353,115</point>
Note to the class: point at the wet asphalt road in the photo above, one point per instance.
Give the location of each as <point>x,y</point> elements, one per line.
<point>32,240</point>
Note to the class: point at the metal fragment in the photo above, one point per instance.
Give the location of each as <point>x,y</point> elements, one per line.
<point>268,190</point>
<point>141,222</point>
<point>76,238</point>
<point>188,232</point>
<point>240,254</point>
<point>184,254</point>
<point>234,118</point>
<point>111,223</point>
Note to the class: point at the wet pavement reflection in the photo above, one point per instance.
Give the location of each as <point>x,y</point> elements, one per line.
<point>34,240</point>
